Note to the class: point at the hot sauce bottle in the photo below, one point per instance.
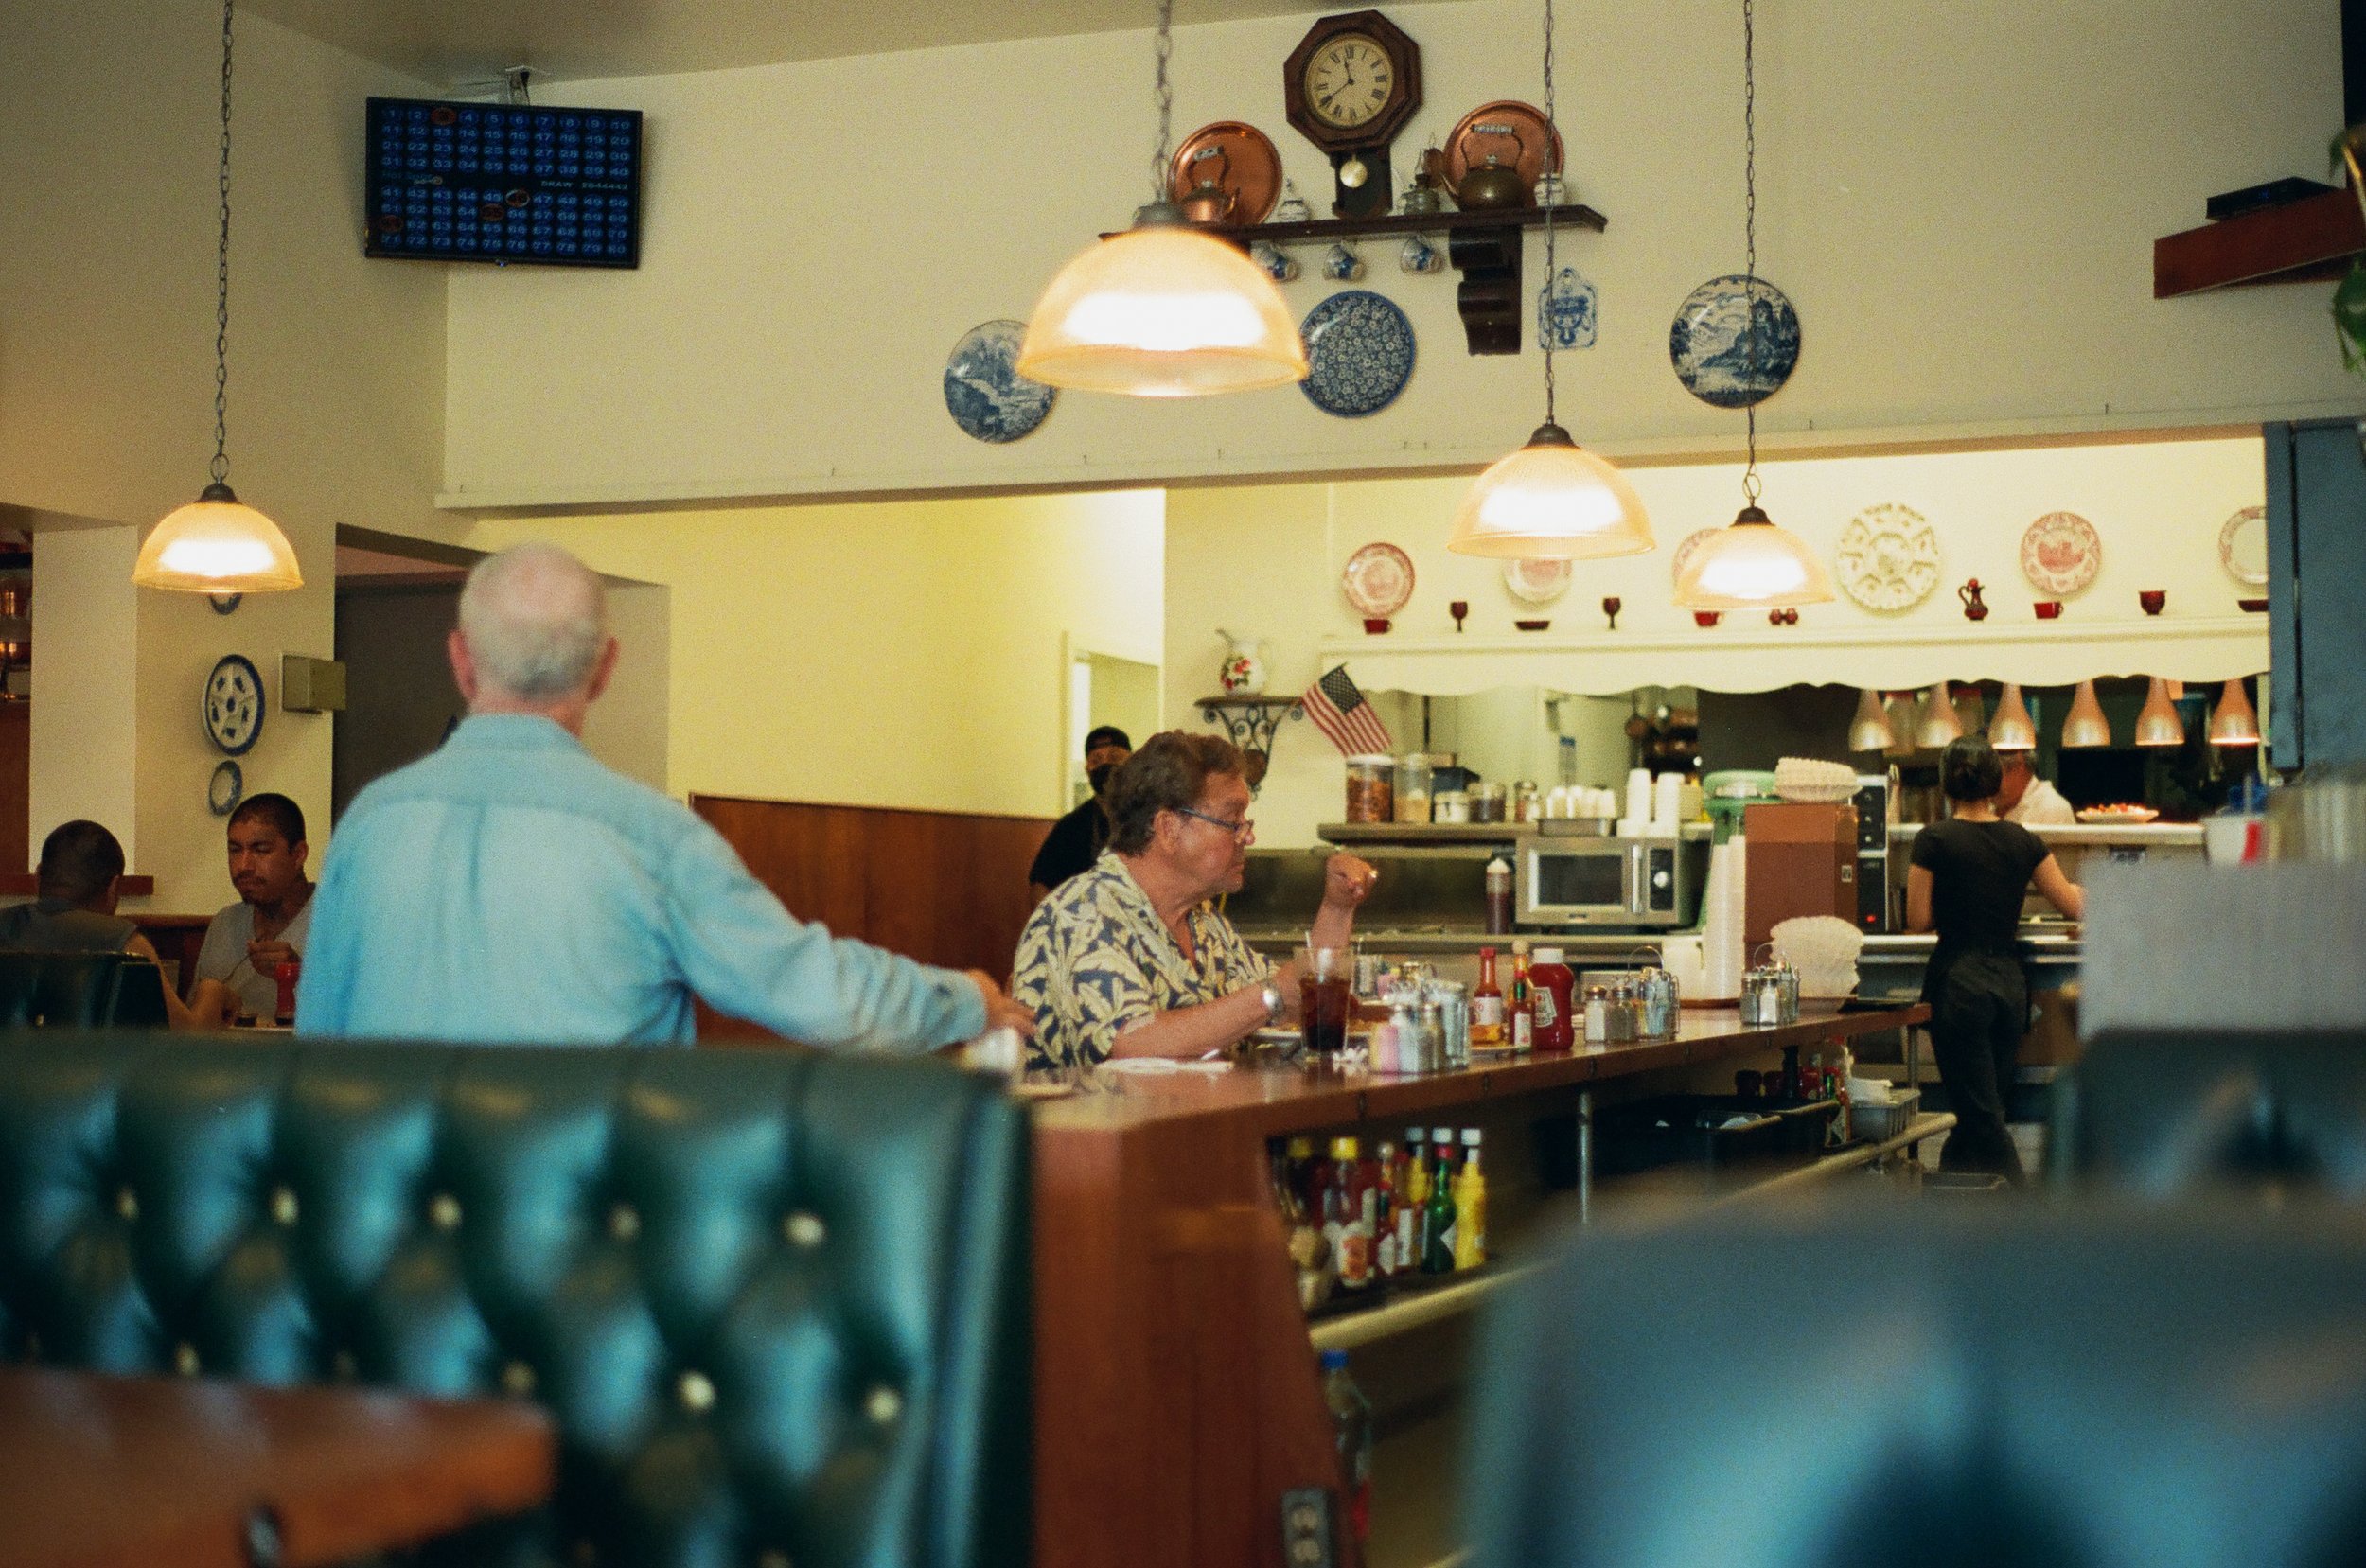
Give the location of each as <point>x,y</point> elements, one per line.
<point>1520,1002</point>
<point>1486,1004</point>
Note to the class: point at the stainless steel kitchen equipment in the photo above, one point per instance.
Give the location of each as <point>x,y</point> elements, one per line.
<point>1593,878</point>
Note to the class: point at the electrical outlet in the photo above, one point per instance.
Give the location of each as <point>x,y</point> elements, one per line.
<point>1306,1529</point>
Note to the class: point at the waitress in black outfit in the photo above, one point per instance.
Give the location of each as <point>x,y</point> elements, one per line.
<point>1967,881</point>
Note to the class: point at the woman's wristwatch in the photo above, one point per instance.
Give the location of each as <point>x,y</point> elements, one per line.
<point>1277,1006</point>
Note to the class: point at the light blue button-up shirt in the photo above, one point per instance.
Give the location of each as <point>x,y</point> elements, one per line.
<point>510,889</point>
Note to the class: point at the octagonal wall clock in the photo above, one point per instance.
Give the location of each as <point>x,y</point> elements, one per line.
<point>1349,87</point>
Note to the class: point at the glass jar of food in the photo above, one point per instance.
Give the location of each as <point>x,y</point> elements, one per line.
<point>1450,805</point>
<point>1371,789</point>
<point>1412,798</point>
<point>1486,801</point>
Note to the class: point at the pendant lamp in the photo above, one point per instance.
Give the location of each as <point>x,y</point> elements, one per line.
<point>1754,564</point>
<point>1939,724</point>
<point>1902,712</point>
<point>1870,730</point>
<point>2233,722</point>
<point>1552,499</point>
<point>2012,730</point>
<point>1162,310</point>
<point>217,543</point>
<point>2159,724</point>
<point>2086,728</point>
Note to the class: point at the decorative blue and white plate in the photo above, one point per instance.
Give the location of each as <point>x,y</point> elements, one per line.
<point>1735,340</point>
<point>984,391</point>
<point>1567,311</point>
<point>1359,348</point>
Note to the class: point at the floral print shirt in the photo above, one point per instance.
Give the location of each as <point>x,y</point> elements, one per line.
<point>1095,960</point>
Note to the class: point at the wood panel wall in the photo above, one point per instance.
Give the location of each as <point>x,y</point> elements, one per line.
<point>945,888</point>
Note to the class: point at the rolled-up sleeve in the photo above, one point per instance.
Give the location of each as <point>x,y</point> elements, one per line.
<point>745,955</point>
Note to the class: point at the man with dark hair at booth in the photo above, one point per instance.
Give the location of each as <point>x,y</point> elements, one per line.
<point>246,943</point>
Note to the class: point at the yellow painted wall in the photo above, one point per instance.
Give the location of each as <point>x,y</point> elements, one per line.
<point>2156,506</point>
<point>1961,199</point>
<point>109,112</point>
<point>894,654</point>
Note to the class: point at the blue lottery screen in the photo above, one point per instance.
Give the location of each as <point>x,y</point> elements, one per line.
<point>482,182</point>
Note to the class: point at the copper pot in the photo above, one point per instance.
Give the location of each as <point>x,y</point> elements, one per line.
<point>1209,203</point>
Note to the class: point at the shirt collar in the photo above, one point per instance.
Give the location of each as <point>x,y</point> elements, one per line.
<point>511,732</point>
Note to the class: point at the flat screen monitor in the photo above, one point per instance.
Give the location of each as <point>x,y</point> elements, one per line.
<point>504,183</point>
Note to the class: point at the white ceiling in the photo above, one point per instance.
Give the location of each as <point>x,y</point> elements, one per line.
<point>456,43</point>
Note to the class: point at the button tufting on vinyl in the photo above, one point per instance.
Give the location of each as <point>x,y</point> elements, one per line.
<point>624,1221</point>
<point>283,1205</point>
<point>443,1210</point>
<point>344,1368</point>
<point>184,1360</point>
<point>586,1554</point>
<point>883,1404</point>
<point>698,1393</point>
<point>773,1559</point>
<point>517,1378</point>
<point>805,1229</point>
<point>127,1202</point>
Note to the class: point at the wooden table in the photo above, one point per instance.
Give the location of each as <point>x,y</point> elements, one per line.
<point>97,1472</point>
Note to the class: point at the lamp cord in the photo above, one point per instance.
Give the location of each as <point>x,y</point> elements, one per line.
<point>1552,135</point>
<point>1158,192</point>
<point>1750,240</point>
<point>221,466</point>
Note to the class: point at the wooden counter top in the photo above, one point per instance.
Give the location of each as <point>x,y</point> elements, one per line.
<point>1271,1101</point>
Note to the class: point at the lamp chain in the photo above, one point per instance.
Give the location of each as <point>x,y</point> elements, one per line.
<point>221,466</point>
<point>1158,192</point>
<point>1750,239</point>
<point>1552,135</point>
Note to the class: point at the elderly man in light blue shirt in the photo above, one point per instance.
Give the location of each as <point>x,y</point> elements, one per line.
<point>508,887</point>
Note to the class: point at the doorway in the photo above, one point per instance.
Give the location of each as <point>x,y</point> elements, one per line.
<point>1105,689</point>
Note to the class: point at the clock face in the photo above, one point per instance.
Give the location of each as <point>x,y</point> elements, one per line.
<point>234,705</point>
<point>1348,81</point>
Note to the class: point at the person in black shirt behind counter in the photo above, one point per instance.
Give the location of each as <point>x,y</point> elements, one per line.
<point>1077,839</point>
<point>1967,881</point>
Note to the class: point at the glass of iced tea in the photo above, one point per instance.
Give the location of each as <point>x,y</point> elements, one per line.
<point>1326,997</point>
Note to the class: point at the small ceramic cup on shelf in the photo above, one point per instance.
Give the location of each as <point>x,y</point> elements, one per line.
<point>1418,256</point>
<point>1278,264</point>
<point>1341,264</point>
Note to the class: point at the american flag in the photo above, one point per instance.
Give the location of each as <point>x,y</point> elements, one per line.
<point>1340,712</point>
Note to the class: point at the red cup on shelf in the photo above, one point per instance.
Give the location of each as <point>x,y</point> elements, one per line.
<point>2251,606</point>
<point>2152,599</point>
<point>1375,623</point>
<point>2048,610</point>
<point>1705,617</point>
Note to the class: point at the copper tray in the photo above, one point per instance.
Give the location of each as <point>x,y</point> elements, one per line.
<point>1241,161</point>
<point>1502,128</point>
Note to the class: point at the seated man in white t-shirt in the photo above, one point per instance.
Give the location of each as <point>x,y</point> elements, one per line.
<point>2026,798</point>
<point>248,941</point>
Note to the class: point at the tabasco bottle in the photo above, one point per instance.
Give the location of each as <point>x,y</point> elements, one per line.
<point>1351,1242</point>
<point>1389,1198</point>
<point>1520,1002</point>
<point>1415,1225</point>
<point>1486,1004</point>
<point>1438,1227</point>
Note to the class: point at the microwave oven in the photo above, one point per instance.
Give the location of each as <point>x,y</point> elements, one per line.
<point>1612,880</point>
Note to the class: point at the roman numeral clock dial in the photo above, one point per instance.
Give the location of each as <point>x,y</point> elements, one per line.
<point>1349,86</point>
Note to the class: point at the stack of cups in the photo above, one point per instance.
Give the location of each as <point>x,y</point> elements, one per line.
<point>1666,790</point>
<point>1639,816</point>
<point>1722,906</point>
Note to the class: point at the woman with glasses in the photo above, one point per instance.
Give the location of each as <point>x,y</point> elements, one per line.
<point>1129,959</point>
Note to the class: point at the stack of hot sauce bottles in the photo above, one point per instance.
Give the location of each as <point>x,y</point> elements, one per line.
<point>1356,1224</point>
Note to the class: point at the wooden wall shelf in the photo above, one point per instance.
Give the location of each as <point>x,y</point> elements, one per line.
<point>1485,247</point>
<point>2313,239</point>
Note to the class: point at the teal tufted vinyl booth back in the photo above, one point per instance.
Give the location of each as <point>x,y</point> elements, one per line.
<point>776,1304</point>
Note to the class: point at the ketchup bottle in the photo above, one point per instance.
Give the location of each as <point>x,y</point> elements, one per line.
<point>286,976</point>
<point>1554,985</point>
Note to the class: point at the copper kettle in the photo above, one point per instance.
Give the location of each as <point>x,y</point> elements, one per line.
<point>1492,186</point>
<point>1208,202</point>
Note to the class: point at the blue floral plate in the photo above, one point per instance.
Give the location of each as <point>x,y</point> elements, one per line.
<point>984,391</point>
<point>1359,348</point>
<point>1735,340</point>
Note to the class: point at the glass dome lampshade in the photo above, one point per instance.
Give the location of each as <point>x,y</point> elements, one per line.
<point>2086,728</point>
<point>2012,728</point>
<point>1939,724</point>
<point>2160,724</point>
<point>1162,310</point>
<point>1754,564</point>
<point>1550,501</point>
<point>2233,722</point>
<point>217,544</point>
<point>1870,730</point>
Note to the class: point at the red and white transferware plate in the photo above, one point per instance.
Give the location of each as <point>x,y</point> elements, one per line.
<point>2243,546</point>
<point>1537,582</point>
<point>1379,580</point>
<point>2061,554</point>
<point>1686,549</point>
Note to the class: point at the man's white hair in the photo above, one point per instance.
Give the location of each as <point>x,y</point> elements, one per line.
<point>535,619</point>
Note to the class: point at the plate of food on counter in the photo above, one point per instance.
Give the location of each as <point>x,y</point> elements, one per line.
<point>2116,815</point>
